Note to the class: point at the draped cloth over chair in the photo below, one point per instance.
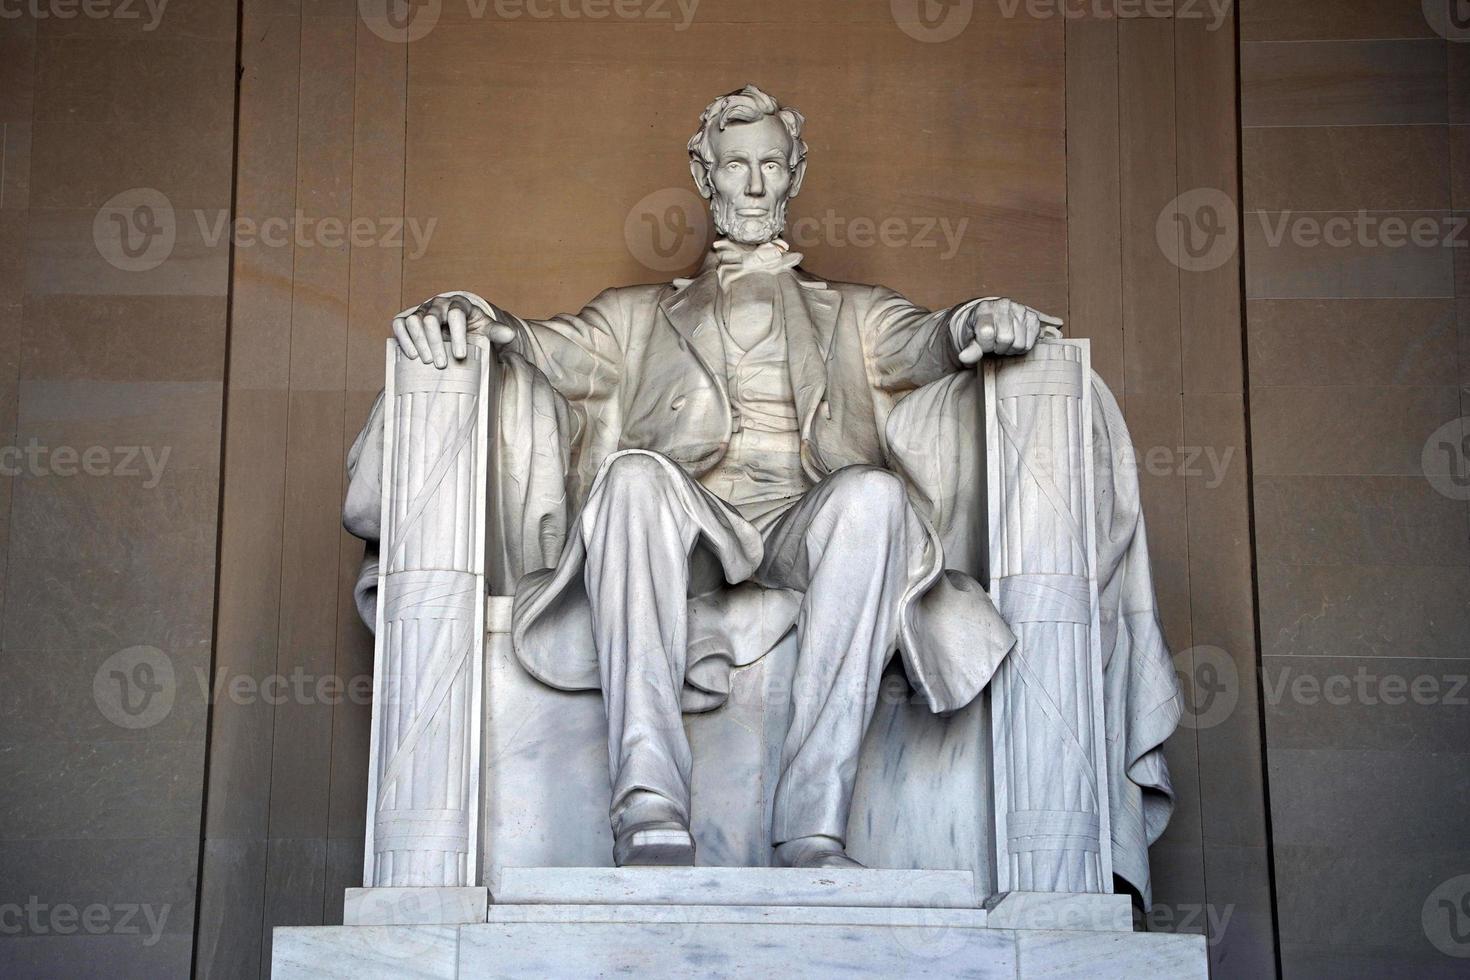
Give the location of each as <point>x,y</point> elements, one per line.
<point>1089,689</point>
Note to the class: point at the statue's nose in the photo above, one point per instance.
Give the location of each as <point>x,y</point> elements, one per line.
<point>757,185</point>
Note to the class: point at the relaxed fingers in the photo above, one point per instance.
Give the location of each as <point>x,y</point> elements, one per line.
<point>405,342</point>
<point>434,331</point>
<point>458,329</point>
<point>420,340</point>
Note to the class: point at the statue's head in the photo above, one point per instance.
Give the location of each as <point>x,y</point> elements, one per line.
<point>748,160</point>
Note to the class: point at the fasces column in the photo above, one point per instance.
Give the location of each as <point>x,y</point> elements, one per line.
<point>424,769</point>
<point>1052,832</point>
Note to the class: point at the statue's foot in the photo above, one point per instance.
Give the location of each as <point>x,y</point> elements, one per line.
<point>813,852</point>
<point>650,830</point>
<point>665,843</point>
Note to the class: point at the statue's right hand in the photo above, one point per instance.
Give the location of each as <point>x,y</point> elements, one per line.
<point>421,329</point>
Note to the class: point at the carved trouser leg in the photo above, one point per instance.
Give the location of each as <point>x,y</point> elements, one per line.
<point>638,537</point>
<point>848,546</point>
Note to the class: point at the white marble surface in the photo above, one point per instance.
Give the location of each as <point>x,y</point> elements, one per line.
<point>1110,956</point>
<point>737,886</point>
<point>540,941</point>
<point>1061,910</point>
<point>414,906</point>
<point>365,952</point>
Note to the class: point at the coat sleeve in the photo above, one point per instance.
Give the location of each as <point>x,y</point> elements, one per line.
<point>581,354</point>
<point>909,346</point>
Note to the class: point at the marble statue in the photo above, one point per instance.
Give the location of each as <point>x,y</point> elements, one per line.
<point>683,473</point>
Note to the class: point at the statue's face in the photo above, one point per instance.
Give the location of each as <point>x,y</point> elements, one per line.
<point>751,180</point>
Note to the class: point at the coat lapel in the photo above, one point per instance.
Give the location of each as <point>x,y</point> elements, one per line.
<point>691,312</point>
<point>809,314</point>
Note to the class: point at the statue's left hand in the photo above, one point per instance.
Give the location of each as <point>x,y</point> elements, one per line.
<point>997,327</point>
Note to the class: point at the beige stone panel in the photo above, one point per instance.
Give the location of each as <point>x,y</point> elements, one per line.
<point>1351,253</point>
<point>1152,360</point>
<point>1318,20</point>
<point>1296,342</point>
<point>124,338</point>
<point>1094,247</point>
<point>1343,83</point>
<point>85,163</point>
<point>15,165</point>
<point>1324,168</point>
<point>1208,136</point>
<point>1346,430</point>
<point>140,82</point>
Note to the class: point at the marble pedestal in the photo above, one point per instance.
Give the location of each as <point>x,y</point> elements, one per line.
<point>729,922</point>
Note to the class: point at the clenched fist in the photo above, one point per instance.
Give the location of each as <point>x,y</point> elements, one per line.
<point>997,326</point>
<point>421,330</point>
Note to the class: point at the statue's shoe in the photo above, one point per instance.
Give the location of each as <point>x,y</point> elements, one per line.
<point>662,843</point>
<point>813,852</point>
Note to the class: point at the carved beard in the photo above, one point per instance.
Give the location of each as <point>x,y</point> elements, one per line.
<point>747,230</point>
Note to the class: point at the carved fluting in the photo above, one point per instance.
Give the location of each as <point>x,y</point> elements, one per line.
<point>424,769</point>
<point>1051,795</point>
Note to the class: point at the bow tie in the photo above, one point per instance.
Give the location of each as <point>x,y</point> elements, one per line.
<point>737,261</point>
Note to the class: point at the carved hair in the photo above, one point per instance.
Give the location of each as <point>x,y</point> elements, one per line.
<point>749,104</point>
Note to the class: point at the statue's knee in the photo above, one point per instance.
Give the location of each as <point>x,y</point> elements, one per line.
<point>870,489</point>
<point>635,474</point>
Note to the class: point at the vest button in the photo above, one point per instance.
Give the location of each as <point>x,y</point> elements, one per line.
<point>677,402</point>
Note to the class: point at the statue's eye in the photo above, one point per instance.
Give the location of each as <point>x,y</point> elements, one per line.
<point>772,166</point>
<point>733,165</point>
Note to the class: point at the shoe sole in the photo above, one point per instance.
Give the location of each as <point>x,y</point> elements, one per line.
<point>655,848</point>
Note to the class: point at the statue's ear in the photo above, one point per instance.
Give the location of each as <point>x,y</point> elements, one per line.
<point>797,176</point>
<point>700,170</point>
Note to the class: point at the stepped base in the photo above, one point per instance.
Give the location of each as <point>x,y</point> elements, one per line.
<point>732,922</point>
